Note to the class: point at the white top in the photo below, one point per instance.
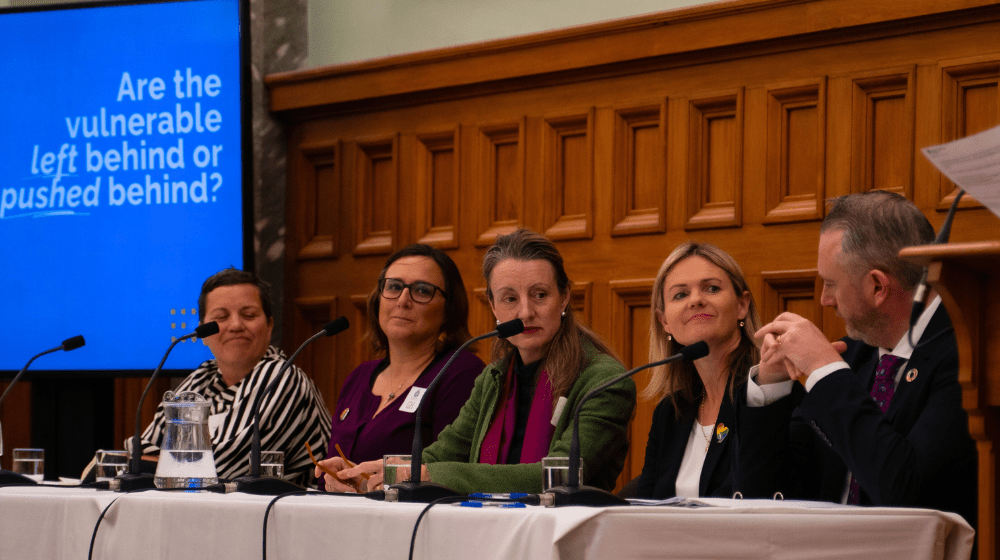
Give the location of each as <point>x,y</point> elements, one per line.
<point>689,475</point>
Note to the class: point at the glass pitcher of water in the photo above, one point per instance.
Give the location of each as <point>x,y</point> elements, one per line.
<point>186,459</point>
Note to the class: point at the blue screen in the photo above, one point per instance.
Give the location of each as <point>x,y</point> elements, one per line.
<point>120,179</point>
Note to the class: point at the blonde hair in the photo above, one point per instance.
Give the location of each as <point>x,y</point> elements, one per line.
<point>680,380</point>
<point>565,358</point>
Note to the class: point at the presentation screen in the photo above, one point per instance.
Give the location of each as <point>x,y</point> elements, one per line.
<point>122,171</point>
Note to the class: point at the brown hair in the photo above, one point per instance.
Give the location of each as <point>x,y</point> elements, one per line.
<point>233,277</point>
<point>454,329</point>
<point>876,226</point>
<point>680,380</point>
<point>565,358</point>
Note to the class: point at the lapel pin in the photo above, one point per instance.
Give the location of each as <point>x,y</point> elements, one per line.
<point>721,431</point>
<point>911,375</point>
<point>344,414</point>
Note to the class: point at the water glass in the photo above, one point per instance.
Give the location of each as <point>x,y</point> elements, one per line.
<point>555,472</point>
<point>30,463</point>
<point>395,468</point>
<point>110,463</point>
<point>272,463</point>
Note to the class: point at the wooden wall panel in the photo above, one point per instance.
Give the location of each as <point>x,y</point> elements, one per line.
<point>319,215</point>
<point>796,147</point>
<point>568,166</point>
<point>883,132</point>
<point>715,160</point>
<point>970,104</point>
<point>639,167</point>
<point>376,188</point>
<point>318,359</point>
<point>501,186</point>
<point>730,123</point>
<point>437,179</point>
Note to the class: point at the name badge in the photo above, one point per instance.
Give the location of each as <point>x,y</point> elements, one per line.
<point>412,399</point>
<point>560,404</point>
<point>215,423</point>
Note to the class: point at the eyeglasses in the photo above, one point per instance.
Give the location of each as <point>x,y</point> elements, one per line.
<point>420,292</point>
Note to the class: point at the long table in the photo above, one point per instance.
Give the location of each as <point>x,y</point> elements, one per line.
<point>57,523</point>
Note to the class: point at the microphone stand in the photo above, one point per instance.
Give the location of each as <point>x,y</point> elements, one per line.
<point>575,494</point>
<point>414,490</point>
<point>254,483</point>
<point>132,478</point>
<point>923,289</point>
<point>11,478</point>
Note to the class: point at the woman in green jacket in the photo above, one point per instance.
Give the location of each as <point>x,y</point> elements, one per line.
<point>521,406</point>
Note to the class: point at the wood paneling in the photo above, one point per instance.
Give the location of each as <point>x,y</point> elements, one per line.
<point>319,215</point>
<point>730,123</point>
<point>437,179</point>
<point>715,160</point>
<point>640,161</point>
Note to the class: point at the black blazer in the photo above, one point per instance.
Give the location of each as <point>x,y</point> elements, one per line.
<point>918,453</point>
<point>668,436</point>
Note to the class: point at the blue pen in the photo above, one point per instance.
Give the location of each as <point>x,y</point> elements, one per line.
<point>506,505</point>
<point>488,496</point>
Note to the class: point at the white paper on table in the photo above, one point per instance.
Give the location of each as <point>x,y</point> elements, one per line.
<point>972,163</point>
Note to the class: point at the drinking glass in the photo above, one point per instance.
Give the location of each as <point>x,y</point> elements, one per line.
<point>395,468</point>
<point>30,463</point>
<point>110,463</point>
<point>555,472</point>
<point>272,463</point>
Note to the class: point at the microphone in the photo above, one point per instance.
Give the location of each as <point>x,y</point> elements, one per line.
<point>254,483</point>
<point>414,490</point>
<point>10,477</point>
<point>575,494</point>
<point>922,294</point>
<point>132,478</point>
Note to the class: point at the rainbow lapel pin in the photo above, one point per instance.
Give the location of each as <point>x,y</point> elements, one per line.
<point>721,431</point>
<point>911,375</point>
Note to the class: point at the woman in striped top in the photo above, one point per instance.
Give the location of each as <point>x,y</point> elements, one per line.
<point>244,365</point>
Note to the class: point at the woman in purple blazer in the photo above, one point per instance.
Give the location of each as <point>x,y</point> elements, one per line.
<point>417,317</point>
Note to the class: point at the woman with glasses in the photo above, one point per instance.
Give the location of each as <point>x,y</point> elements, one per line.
<point>417,317</point>
<point>522,405</point>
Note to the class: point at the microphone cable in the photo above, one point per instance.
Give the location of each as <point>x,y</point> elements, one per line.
<point>267,512</point>
<point>445,500</point>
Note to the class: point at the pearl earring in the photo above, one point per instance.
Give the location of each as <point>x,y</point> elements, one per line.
<point>498,321</point>
<point>741,323</point>
<point>669,337</point>
<point>563,314</point>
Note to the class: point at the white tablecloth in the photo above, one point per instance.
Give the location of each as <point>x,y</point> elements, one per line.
<point>57,523</point>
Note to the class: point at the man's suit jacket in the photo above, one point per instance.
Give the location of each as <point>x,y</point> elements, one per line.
<point>668,437</point>
<point>918,453</point>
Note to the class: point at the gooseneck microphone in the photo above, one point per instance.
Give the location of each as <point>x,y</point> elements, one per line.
<point>132,478</point>
<point>575,494</point>
<point>10,477</point>
<point>254,483</point>
<point>414,490</point>
<point>922,294</point>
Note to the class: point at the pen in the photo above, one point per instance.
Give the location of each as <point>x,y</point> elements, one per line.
<point>489,496</point>
<point>506,505</point>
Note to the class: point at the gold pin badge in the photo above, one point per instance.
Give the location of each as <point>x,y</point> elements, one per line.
<point>911,375</point>
<point>347,411</point>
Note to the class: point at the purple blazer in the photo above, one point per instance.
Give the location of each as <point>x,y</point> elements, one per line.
<point>364,438</point>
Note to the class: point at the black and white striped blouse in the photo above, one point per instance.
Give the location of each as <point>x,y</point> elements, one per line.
<point>291,415</point>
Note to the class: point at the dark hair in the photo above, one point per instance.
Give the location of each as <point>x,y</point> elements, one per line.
<point>876,226</point>
<point>233,277</point>
<point>455,329</point>
<point>565,358</point>
<point>680,380</point>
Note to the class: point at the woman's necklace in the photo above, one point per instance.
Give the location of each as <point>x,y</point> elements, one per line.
<point>708,436</point>
<point>392,394</point>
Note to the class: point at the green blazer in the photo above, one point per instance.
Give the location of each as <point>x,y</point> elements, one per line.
<point>453,460</point>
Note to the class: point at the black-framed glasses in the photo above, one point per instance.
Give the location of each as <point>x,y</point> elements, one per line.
<point>420,292</point>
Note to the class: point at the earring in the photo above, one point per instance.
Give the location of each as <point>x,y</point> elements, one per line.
<point>741,322</point>
<point>669,337</point>
<point>498,321</point>
<point>563,314</point>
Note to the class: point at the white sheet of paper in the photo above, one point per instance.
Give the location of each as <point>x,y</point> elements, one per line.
<point>972,163</point>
